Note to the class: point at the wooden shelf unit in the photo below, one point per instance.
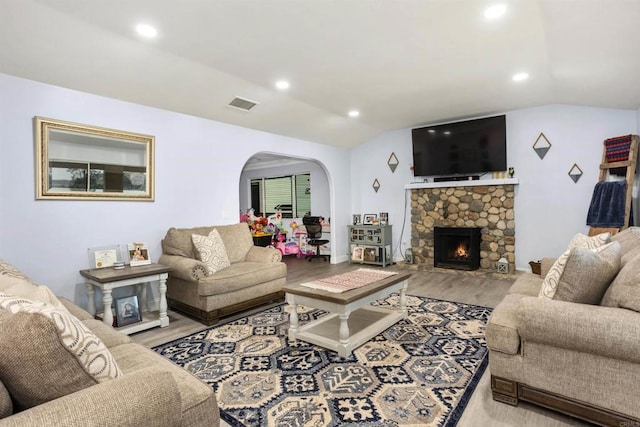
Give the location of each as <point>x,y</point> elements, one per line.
<point>372,236</point>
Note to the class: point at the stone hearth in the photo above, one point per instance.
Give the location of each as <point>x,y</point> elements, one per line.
<point>489,207</point>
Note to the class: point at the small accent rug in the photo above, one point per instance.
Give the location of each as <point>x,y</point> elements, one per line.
<point>348,281</point>
<point>421,371</point>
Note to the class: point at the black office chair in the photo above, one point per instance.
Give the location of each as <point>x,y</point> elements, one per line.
<point>313,224</point>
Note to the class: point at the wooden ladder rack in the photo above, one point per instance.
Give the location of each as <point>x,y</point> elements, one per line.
<point>630,164</point>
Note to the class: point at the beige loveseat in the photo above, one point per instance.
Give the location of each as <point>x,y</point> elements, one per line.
<point>255,275</point>
<point>578,352</point>
<point>61,367</point>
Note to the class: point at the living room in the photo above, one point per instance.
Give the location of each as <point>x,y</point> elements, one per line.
<point>199,162</point>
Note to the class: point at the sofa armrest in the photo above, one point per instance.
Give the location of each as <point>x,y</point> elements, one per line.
<point>146,397</point>
<point>261,254</point>
<point>605,331</point>
<point>188,269</point>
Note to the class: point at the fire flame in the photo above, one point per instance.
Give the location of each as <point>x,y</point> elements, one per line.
<point>461,251</point>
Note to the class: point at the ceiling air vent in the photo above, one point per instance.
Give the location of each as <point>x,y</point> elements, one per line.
<point>242,104</point>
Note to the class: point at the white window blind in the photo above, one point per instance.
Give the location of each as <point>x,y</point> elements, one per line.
<point>291,194</point>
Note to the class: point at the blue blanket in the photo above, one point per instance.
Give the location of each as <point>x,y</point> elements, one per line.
<point>607,205</point>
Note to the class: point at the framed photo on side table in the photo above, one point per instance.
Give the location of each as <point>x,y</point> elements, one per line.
<point>127,311</point>
<point>369,219</point>
<point>357,253</point>
<point>138,254</point>
<point>370,254</point>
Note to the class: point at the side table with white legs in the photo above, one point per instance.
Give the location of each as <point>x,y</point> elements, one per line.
<point>107,279</point>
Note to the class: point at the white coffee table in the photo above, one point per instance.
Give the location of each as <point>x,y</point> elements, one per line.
<point>352,321</point>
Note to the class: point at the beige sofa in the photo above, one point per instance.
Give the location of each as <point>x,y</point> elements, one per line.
<point>579,352</point>
<point>60,366</point>
<point>255,275</point>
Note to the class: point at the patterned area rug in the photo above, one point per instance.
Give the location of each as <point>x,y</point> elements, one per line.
<point>421,371</point>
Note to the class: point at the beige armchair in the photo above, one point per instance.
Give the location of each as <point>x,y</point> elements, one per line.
<point>255,275</point>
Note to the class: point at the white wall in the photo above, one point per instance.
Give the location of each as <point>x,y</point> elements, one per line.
<point>550,208</point>
<point>198,166</point>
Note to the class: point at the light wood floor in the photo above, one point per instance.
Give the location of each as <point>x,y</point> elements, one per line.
<point>452,286</point>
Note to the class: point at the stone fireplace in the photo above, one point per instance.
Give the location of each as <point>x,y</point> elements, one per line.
<point>456,247</point>
<point>486,205</point>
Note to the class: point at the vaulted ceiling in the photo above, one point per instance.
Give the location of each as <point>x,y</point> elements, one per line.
<point>401,63</point>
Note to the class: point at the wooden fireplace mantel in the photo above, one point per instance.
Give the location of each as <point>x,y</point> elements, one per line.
<point>476,183</point>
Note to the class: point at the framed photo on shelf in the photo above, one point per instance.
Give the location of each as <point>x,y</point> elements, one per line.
<point>357,219</point>
<point>138,254</point>
<point>369,254</point>
<point>384,218</point>
<point>370,219</point>
<point>127,311</point>
<point>357,253</point>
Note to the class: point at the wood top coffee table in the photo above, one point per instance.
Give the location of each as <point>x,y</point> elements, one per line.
<point>352,321</point>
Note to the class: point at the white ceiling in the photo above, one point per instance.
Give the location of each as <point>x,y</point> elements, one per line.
<point>402,63</point>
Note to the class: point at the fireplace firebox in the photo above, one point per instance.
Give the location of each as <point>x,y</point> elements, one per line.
<point>456,247</point>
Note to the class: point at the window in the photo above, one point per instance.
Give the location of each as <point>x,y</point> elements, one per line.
<point>72,176</point>
<point>289,194</point>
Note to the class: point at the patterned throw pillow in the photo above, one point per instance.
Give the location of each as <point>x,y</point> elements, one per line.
<point>211,251</point>
<point>588,273</point>
<point>46,353</point>
<point>14,282</point>
<point>550,282</point>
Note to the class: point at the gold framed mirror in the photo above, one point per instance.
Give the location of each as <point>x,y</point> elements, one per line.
<point>82,162</point>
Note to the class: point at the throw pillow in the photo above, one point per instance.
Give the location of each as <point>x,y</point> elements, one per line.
<point>624,291</point>
<point>13,282</point>
<point>588,273</point>
<point>46,353</point>
<point>9,271</point>
<point>211,251</point>
<point>550,282</point>
<point>629,240</point>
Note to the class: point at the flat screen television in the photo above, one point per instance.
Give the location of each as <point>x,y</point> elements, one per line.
<point>460,148</point>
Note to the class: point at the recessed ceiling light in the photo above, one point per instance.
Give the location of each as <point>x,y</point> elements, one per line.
<point>518,77</point>
<point>146,30</point>
<point>354,113</point>
<point>495,11</point>
<point>282,85</point>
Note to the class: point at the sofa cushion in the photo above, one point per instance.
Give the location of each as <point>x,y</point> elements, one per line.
<point>527,284</point>
<point>199,406</point>
<point>588,273</point>
<point>237,239</point>
<point>6,406</point>
<point>37,338</point>
<point>241,275</point>
<point>109,336</point>
<point>178,241</point>
<point>211,251</point>
<point>550,282</point>
<point>629,240</point>
<point>624,291</point>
